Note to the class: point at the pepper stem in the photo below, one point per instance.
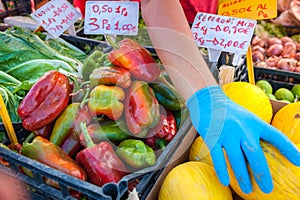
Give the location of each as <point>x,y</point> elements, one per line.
<point>29,138</point>
<point>112,43</point>
<point>74,80</point>
<point>84,83</point>
<point>85,98</point>
<point>87,137</point>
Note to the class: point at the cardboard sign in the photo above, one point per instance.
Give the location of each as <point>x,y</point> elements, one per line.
<point>250,9</point>
<point>111,17</point>
<point>223,33</point>
<point>56,16</point>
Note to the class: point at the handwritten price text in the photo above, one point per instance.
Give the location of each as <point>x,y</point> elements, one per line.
<point>223,33</point>
<point>111,18</point>
<point>56,16</point>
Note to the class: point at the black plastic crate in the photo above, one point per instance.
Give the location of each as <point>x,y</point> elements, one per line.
<point>38,189</point>
<point>36,185</point>
<point>92,44</point>
<point>15,8</point>
<point>85,44</point>
<point>277,78</point>
<point>143,179</point>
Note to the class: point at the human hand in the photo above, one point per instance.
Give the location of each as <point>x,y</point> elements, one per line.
<point>224,124</point>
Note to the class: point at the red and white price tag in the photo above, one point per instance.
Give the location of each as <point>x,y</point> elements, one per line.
<point>56,16</point>
<point>111,17</point>
<point>229,34</point>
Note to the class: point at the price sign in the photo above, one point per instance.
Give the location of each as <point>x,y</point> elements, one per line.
<point>56,16</point>
<point>263,9</point>
<point>223,33</point>
<point>111,17</point>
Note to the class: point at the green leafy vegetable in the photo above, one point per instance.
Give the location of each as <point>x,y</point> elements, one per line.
<point>14,51</point>
<point>66,48</point>
<point>32,70</point>
<point>12,91</point>
<point>36,43</point>
<point>8,81</point>
<point>12,102</point>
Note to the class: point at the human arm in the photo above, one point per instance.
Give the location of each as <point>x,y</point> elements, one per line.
<point>175,45</point>
<point>222,123</point>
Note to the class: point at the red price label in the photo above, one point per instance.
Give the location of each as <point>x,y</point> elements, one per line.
<point>56,16</point>
<point>111,17</point>
<point>223,33</point>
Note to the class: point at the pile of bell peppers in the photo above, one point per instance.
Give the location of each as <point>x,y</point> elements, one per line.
<point>106,123</point>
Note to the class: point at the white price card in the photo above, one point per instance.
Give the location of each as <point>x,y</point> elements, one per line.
<point>111,17</point>
<point>56,16</point>
<point>228,34</point>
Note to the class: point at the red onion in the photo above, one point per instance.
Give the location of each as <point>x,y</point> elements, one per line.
<point>275,50</point>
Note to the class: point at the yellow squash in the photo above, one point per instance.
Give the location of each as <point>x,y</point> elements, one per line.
<point>193,180</point>
<point>286,176</point>
<point>287,119</point>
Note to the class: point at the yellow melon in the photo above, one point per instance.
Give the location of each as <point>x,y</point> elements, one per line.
<point>287,120</point>
<point>193,180</point>
<point>286,176</point>
<point>250,97</point>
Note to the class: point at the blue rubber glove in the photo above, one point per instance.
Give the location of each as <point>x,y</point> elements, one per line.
<point>224,124</point>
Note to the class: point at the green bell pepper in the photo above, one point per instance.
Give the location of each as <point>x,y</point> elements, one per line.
<point>166,94</point>
<point>93,61</point>
<point>136,153</point>
<point>115,131</point>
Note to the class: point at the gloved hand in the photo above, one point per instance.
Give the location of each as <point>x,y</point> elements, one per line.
<point>224,124</point>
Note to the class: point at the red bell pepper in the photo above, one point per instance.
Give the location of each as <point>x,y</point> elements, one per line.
<point>141,108</point>
<point>100,161</point>
<point>163,133</point>
<point>45,131</point>
<point>110,76</point>
<point>135,58</point>
<point>46,99</point>
<point>42,150</point>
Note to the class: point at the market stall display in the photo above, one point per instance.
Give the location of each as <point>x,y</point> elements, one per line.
<point>111,107</point>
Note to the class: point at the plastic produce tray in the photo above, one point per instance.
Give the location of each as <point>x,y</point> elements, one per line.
<point>277,78</point>
<point>142,179</point>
